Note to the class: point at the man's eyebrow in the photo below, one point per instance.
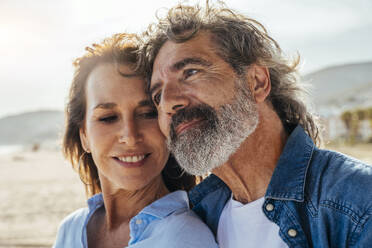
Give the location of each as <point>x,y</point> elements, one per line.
<point>186,61</point>
<point>108,105</point>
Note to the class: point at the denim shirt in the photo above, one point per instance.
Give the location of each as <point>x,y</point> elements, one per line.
<point>167,222</point>
<point>318,198</point>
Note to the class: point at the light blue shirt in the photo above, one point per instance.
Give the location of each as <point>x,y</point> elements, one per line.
<point>167,222</point>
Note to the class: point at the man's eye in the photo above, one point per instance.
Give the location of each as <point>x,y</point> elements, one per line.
<point>156,98</point>
<point>108,119</point>
<point>189,72</point>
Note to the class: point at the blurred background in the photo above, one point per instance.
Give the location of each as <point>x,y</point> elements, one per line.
<point>39,40</point>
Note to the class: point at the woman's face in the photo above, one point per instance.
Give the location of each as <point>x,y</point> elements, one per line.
<point>121,129</point>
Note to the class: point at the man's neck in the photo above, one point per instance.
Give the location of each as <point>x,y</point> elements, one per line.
<point>248,171</point>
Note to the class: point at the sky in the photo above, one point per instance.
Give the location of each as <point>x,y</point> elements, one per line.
<point>39,39</point>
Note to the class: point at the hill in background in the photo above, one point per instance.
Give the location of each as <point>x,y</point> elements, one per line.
<point>341,87</point>
<point>31,128</point>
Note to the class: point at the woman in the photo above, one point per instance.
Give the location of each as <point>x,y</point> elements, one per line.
<point>113,139</point>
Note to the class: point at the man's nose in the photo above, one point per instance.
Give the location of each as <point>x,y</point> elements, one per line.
<point>173,100</point>
<point>129,133</point>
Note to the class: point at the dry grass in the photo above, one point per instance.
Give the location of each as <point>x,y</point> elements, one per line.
<point>37,190</point>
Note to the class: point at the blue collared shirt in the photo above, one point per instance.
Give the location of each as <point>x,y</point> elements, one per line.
<point>167,222</point>
<point>318,198</point>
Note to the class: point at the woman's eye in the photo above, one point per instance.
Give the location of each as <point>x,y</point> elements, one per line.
<point>189,72</point>
<point>108,119</point>
<point>150,115</point>
<point>156,98</point>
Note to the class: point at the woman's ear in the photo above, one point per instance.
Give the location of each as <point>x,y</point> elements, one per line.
<point>84,140</point>
<point>258,78</point>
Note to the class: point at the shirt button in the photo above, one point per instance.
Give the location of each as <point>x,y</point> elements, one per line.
<point>269,207</point>
<point>138,221</point>
<point>292,233</point>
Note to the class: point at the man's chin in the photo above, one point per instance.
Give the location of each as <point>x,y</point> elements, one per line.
<point>197,162</point>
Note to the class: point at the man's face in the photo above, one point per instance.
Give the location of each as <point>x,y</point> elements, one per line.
<point>205,109</point>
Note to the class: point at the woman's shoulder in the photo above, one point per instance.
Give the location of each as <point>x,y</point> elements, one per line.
<point>186,229</point>
<point>75,218</point>
<point>70,228</point>
<point>187,219</point>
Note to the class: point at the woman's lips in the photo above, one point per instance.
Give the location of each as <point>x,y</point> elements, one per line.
<point>132,161</point>
<point>187,125</point>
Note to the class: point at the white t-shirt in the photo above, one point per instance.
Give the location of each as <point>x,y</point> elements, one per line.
<point>247,226</point>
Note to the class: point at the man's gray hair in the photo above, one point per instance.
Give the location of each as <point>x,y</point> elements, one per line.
<point>240,41</point>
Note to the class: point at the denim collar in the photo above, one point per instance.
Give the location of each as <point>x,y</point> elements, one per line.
<point>288,179</point>
<point>161,208</point>
<point>208,185</point>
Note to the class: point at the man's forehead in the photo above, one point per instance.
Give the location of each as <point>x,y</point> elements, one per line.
<point>171,52</point>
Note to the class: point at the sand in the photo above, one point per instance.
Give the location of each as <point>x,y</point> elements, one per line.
<point>38,189</point>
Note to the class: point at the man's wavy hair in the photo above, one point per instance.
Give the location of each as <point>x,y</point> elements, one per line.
<point>118,49</point>
<point>240,41</point>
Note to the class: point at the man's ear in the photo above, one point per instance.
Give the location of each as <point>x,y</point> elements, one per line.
<point>84,140</point>
<point>258,78</point>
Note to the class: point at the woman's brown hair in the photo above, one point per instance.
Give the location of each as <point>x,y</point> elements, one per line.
<point>118,49</point>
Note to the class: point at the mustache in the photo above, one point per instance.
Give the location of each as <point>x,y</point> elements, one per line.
<point>202,111</point>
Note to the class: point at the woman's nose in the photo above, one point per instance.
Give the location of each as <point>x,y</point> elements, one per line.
<point>129,134</point>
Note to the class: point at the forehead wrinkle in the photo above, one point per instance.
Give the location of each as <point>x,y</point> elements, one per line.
<point>161,72</point>
<point>166,69</point>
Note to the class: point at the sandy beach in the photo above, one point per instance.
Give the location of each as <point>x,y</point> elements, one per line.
<point>38,189</point>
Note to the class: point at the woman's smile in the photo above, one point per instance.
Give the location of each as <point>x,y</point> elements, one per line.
<point>131,161</point>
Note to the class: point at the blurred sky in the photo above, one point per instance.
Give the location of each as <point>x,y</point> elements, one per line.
<point>40,38</point>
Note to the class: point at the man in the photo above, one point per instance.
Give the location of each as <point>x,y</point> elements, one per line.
<point>230,103</point>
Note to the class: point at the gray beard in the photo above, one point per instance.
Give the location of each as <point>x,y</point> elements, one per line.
<point>205,147</point>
